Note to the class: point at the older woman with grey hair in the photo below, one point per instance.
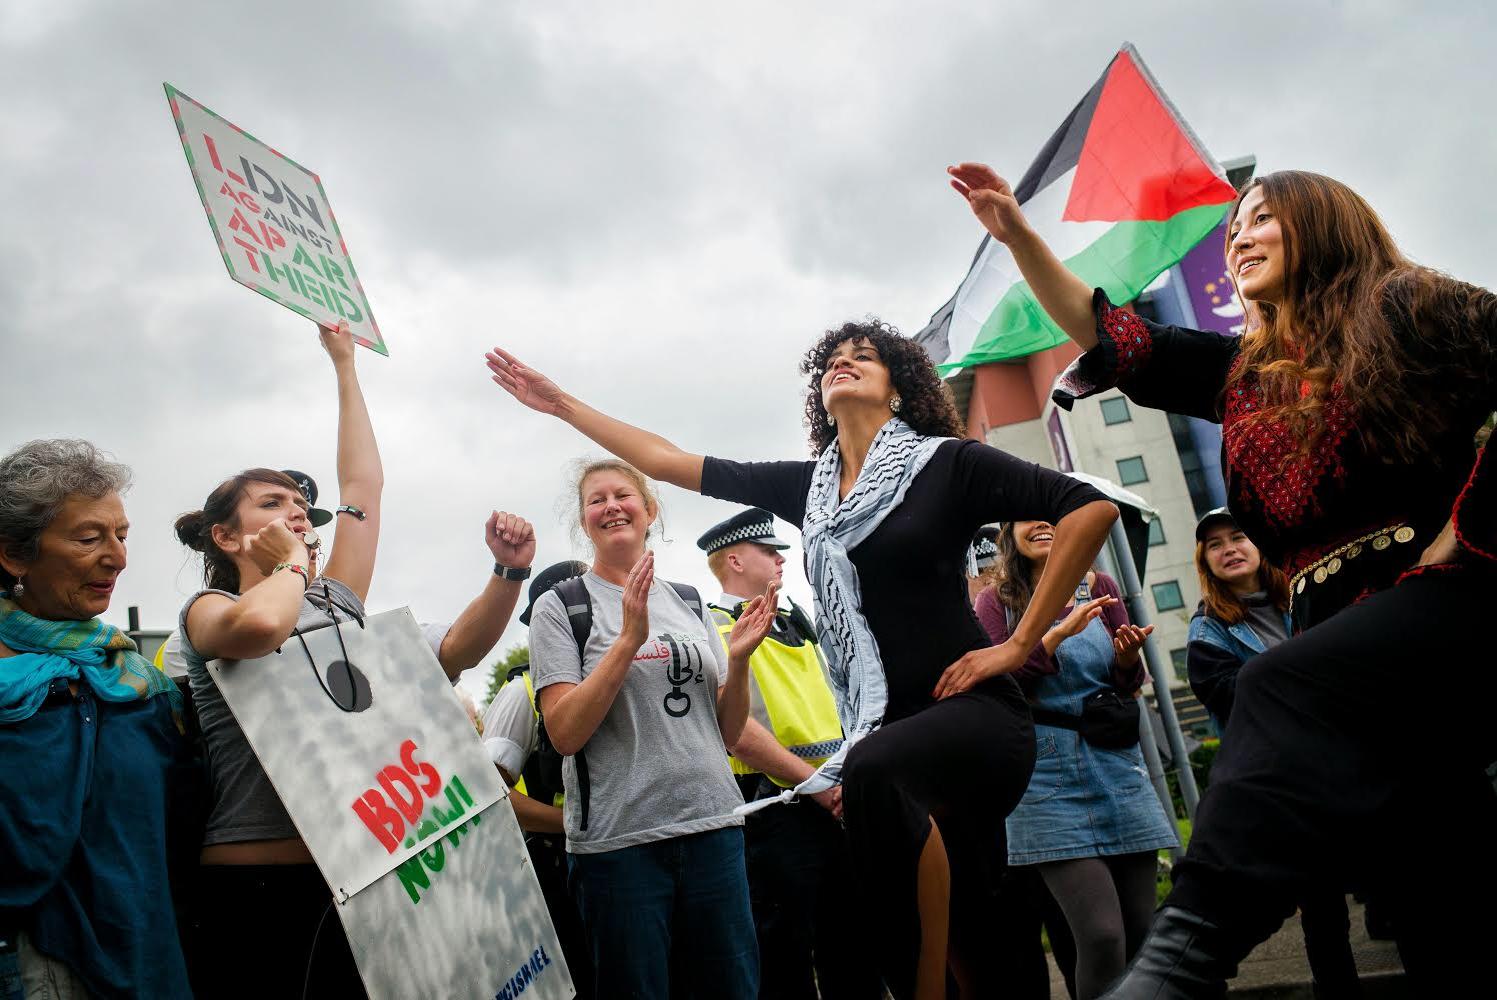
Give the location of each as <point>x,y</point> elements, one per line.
<point>89,743</point>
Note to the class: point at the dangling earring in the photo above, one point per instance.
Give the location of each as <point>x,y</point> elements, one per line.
<point>894,404</point>
<point>831,420</point>
<point>18,589</point>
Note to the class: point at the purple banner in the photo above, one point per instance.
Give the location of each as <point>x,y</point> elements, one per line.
<point>1211,292</point>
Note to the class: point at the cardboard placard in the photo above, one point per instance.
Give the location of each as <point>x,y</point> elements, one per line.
<point>271,218</point>
<point>369,750</point>
<point>463,919</point>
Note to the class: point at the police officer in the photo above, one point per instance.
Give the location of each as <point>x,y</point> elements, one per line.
<point>796,855</point>
<point>515,736</point>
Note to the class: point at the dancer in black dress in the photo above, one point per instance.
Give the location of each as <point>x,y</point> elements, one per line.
<point>887,512</point>
<point>1348,413</point>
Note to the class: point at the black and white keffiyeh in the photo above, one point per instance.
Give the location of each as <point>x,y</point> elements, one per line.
<point>831,528</point>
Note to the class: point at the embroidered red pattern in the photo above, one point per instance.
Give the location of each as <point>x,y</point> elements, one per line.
<point>1479,480</point>
<point>1284,487</point>
<point>1130,338</point>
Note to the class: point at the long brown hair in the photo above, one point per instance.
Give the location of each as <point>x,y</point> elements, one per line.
<point>195,528</point>
<point>1329,336</point>
<point>1223,603</point>
<point>1013,572</point>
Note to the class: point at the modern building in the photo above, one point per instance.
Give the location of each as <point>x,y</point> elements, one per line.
<point>1174,462</point>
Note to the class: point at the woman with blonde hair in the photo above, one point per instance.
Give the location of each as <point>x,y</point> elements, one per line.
<point>640,697</point>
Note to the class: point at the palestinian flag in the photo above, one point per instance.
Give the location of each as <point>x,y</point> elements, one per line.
<point>1121,192</point>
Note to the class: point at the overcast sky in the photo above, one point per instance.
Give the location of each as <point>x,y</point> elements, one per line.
<point>660,205</point>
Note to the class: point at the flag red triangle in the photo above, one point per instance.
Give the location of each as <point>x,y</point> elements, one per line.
<point>1137,162</point>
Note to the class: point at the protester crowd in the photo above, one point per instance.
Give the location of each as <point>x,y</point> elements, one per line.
<point>728,795</point>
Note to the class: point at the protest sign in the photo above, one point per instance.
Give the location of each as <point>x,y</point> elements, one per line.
<point>273,223</point>
<point>464,918</point>
<point>364,741</point>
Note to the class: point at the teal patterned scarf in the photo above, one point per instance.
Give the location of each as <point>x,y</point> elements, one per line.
<point>100,655</point>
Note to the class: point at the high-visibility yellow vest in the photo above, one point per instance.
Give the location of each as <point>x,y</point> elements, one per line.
<point>788,694</point>
<point>559,797</point>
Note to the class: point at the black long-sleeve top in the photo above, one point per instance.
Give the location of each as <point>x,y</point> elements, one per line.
<point>1298,509</point>
<point>912,568</point>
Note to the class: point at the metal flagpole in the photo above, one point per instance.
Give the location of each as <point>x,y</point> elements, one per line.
<point>1133,596</point>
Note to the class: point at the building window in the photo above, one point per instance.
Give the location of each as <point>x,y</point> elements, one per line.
<point>1192,465</point>
<point>1156,531</point>
<point>1131,470</point>
<point>1115,411</point>
<point>1167,596</point>
<point>1177,660</point>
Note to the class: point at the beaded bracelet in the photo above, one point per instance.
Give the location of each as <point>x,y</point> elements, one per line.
<point>300,570</point>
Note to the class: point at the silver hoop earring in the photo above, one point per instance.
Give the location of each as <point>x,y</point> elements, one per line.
<point>894,404</point>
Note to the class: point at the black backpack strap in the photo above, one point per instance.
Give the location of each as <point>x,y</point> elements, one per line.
<point>514,673</point>
<point>689,594</point>
<point>579,607</point>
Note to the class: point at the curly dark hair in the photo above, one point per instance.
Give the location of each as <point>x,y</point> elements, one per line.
<point>925,400</point>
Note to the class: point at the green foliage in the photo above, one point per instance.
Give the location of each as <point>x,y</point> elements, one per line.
<point>512,657</point>
<point>1200,764</point>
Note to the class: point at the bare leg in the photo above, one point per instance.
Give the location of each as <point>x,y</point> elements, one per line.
<point>933,899</point>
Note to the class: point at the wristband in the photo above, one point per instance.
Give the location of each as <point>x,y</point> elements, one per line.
<point>350,509</point>
<point>511,572</point>
<point>301,571</point>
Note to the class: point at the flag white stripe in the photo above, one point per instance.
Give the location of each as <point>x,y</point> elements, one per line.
<point>995,271</point>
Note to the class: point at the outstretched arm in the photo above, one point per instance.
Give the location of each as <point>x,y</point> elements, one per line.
<point>649,453</point>
<point>1064,296</point>
<point>361,477</point>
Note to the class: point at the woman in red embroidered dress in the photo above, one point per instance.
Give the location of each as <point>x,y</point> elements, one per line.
<point>1348,414</point>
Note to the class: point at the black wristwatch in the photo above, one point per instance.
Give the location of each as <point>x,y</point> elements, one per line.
<point>511,572</point>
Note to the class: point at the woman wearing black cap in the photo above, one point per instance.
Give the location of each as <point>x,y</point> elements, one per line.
<point>1348,417</point>
<point>1245,611</point>
<point>887,513</point>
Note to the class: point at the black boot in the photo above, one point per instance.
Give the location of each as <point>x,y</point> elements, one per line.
<point>1184,958</point>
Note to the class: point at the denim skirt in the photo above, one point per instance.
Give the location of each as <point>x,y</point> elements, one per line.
<point>1083,802</point>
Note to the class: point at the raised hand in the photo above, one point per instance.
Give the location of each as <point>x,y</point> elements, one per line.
<point>1081,616</point>
<point>274,544</point>
<point>1128,640</point>
<point>337,341</point>
<point>510,538</point>
<point>977,666</point>
<point>991,200</point>
<point>636,628</point>
<point>527,385</point>
<point>753,625</point>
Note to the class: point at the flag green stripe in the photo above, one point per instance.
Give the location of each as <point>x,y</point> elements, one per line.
<point>1122,262</point>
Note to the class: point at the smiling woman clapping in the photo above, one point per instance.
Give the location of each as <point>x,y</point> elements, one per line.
<point>640,695</point>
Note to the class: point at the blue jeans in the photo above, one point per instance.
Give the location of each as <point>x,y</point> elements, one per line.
<point>673,907</point>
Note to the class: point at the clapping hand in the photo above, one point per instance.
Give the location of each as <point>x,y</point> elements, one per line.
<point>753,625</point>
<point>511,539</point>
<point>1128,640</point>
<point>636,626</point>
<point>527,385</point>
<point>1081,616</point>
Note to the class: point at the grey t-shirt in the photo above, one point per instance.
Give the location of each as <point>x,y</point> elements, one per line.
<point>656,765</point>
<point>1264,619</point>
<point>245,805</point>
